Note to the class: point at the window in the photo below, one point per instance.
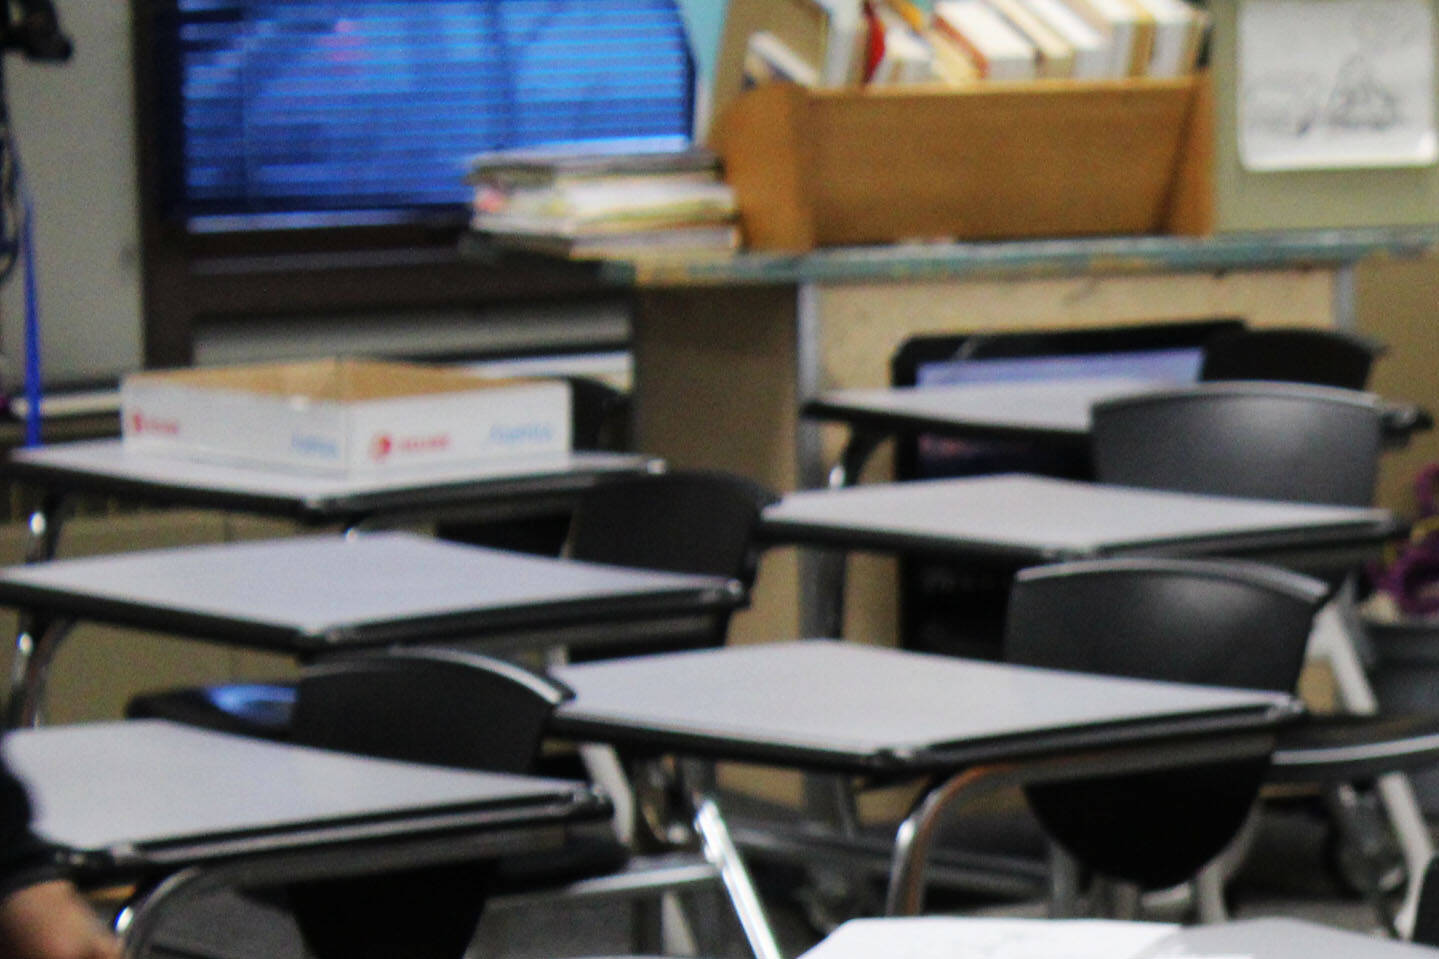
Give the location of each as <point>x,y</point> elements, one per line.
<point>339,110</point>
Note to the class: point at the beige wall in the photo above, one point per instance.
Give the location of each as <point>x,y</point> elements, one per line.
<point>1397,302</point>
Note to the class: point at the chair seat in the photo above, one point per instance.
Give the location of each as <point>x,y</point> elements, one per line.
<point>1342,748</point>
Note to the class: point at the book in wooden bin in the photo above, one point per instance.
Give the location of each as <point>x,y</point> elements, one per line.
<point>834,167</point>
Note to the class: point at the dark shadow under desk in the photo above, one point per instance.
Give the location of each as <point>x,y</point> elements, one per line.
<point>181,811</point>
<point>313,596</point>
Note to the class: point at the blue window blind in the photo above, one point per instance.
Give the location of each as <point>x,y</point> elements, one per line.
<point>293,106</point>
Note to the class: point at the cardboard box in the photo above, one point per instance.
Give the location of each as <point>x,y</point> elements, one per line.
<point>998,161</point>
<point>342,416</point>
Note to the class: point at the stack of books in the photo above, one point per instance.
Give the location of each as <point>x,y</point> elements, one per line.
<point>830,43</point>
<point>635,200</point>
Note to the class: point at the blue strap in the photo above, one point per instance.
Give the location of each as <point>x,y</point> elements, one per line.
<point>33,384</point>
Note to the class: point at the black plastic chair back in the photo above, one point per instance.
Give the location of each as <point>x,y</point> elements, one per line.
<point>438,706</point>
<point>1319,356</point>
<point>1276,441</point>
<point>1223,624</point>
<point>681,522</point>
<point>599,415</point>
<point>431,706</point>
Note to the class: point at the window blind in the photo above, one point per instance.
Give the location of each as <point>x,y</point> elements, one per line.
<point>286,106</point>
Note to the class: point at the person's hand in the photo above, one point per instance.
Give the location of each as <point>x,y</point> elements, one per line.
<point>50,920</point>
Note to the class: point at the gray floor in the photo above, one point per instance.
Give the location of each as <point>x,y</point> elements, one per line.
<point>1285,874</point>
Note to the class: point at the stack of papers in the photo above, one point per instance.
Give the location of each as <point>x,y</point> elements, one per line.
<point>642,201</point>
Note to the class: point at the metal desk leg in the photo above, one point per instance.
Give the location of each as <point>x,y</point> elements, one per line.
<point>823,571</point>
<point>137,922</point>
<point>34,642</point>
<point>719,849</point>
<point>857,452</point>
<point>1334,640</point>
<point>42,531</point>
<point>34,651</point>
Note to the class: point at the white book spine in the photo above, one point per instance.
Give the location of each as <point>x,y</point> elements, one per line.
<point>777,61</point>
<point>1004,53</point>
<point>1174,25</point>
<point>841,53</point>
<point>1093,54</point>
<point>1120,23</point>
<point>1055,55</point>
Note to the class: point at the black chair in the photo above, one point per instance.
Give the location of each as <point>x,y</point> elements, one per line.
<point>1324,357</point>
<point>443,708</point>
<point>460,709</point>
<point>702,522</point>
<point>1216,623</point>
<point>1278,441</point>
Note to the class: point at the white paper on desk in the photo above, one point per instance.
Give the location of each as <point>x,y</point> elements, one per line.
<point>1335,84</point>
<point>957,938</point>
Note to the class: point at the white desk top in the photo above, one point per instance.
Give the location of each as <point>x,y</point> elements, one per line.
<point>1060,408</point>
<point>964,938</point>
<point>107,465</point>
<point>848,705</point>
<point>1053,410</point>
<point>1039,518</point>
<point>126,791</point>
<point>313,592</point>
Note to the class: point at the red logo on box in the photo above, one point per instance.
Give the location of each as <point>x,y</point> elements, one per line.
<point>384,445</point>
<point>140,423</point>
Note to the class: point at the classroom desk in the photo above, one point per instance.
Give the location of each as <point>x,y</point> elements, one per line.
<point>957,938</point>
<point>1020,520</point>
<point>1012,520</point>
<point>311,596</point>
<point>184,811</point>
<point>847,708</point>
<point>500,488</point>
<point>1054,413</point>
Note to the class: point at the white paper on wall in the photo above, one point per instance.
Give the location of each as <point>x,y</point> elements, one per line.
<point>1332,84</point>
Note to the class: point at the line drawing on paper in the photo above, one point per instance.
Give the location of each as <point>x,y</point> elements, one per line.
<point>1360,100</point>
<point>1338,83</point>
